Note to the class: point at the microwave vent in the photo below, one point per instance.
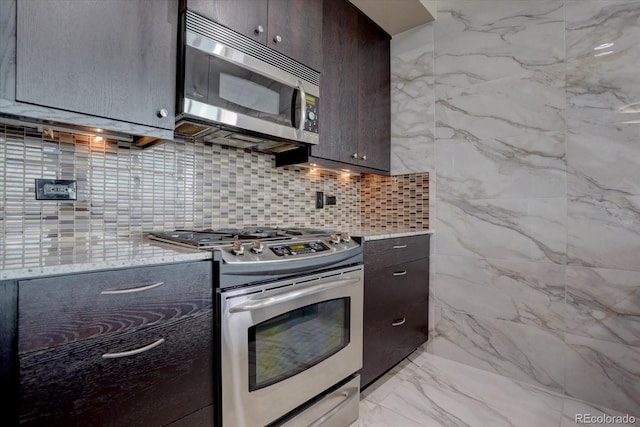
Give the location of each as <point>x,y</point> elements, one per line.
<point>191,129</point>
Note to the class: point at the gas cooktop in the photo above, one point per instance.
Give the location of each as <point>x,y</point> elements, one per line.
<point>206,239</point>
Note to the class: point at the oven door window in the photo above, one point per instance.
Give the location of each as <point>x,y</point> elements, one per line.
<point>286,345</point>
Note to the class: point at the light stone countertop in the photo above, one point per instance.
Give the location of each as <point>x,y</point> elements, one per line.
<point>21,258</point>
<point>387,233</point>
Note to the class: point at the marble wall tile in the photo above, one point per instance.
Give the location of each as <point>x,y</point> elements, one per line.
<point>412,101</point>
<point>604,304</point>
<point>529,164</point>
<point>530,102</point>
<point>484,40</point>
<point>603,372</point>
<point>603,83</point>
<point>604,160</point>
<point>521,292</point>
<point>604,232</point>
<point>444,393</point>
<point>521,352</point>
<point>509,229</point>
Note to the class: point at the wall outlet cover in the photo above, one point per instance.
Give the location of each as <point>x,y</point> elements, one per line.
<point>56,189</point>
<point>319,200</point>
<point>331,200</point>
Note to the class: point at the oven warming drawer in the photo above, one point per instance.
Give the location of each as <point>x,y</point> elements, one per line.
<point>338,408</point>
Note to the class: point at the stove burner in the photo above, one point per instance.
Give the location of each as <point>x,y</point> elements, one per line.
<point>210,238</point>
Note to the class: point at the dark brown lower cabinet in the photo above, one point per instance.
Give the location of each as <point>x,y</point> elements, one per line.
<point>154,372</point>
<point>201,418</point>
<point>396,304</point>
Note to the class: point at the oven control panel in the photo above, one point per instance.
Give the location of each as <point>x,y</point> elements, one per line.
<point>299,248</point>
<point>259,251</point>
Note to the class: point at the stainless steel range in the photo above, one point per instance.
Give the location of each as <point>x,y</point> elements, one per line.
<point>290,334</point>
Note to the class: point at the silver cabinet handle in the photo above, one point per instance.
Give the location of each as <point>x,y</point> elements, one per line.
<point>261,302</point>
<point>354,156</point>
<point>364,157</point>
<point>399,322</point>
<point>259,30</point>
<point>130,290</point>
<point>399,246</point>
<point>132,352</point>
<point>162,113</point>
<point>348,395</point>
<point>400,273</point>
<point>277,39</point>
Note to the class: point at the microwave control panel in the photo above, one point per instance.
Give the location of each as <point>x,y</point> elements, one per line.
<point>311,124</point>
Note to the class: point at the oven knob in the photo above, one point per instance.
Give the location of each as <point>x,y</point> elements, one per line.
<point>237,249</point>
<point>334,239</point>
<point>345,237</point>
<point>257,247</point>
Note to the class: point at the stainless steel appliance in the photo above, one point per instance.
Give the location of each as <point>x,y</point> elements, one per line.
<point>290,307</point>
<point>236,91</point>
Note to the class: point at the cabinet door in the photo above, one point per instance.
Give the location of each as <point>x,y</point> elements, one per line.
<point>338,83</point>
<point>295,29</point>
<point>374,105</point>
<point>75,385</point>
<point>108,58</point>
<point>243,16</point>
<point>386,345</point>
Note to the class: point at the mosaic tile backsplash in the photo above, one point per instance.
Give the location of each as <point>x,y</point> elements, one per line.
<point>395,202</point>
<point>126,191</point>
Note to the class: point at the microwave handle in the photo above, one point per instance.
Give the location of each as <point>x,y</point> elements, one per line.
<point>261,303</point>
<point>303,107</point>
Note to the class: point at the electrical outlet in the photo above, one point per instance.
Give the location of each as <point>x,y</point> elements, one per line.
<point>331,200</point>
<point>319,200</point>
<point>56,189</point>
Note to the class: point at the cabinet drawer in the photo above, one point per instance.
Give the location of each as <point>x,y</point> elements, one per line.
<point>385,345</point>
<point>74,385</point>
<point>204,417</point>
<point>386,252</point>
<point>65,309</point>
<point>389,290</point>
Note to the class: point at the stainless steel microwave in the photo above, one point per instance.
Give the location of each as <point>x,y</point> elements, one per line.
<point>235,91</point>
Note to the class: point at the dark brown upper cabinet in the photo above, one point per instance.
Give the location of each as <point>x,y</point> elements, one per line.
<point>292,27</point>
<point>355,107</point>
<point>111,59</point>
<point>338,84</point>
<point>374,96</point>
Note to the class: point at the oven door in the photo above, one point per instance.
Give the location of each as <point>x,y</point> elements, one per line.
<point>287,342</point>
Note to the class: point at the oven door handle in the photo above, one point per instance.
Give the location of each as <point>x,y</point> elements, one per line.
<point>263,302</point>
<point>348,395</point>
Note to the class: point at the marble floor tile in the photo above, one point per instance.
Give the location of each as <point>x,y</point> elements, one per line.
<point>603,372</point>
<point>574,411</point>
<point>374,415</point>
<point>444,393</point>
